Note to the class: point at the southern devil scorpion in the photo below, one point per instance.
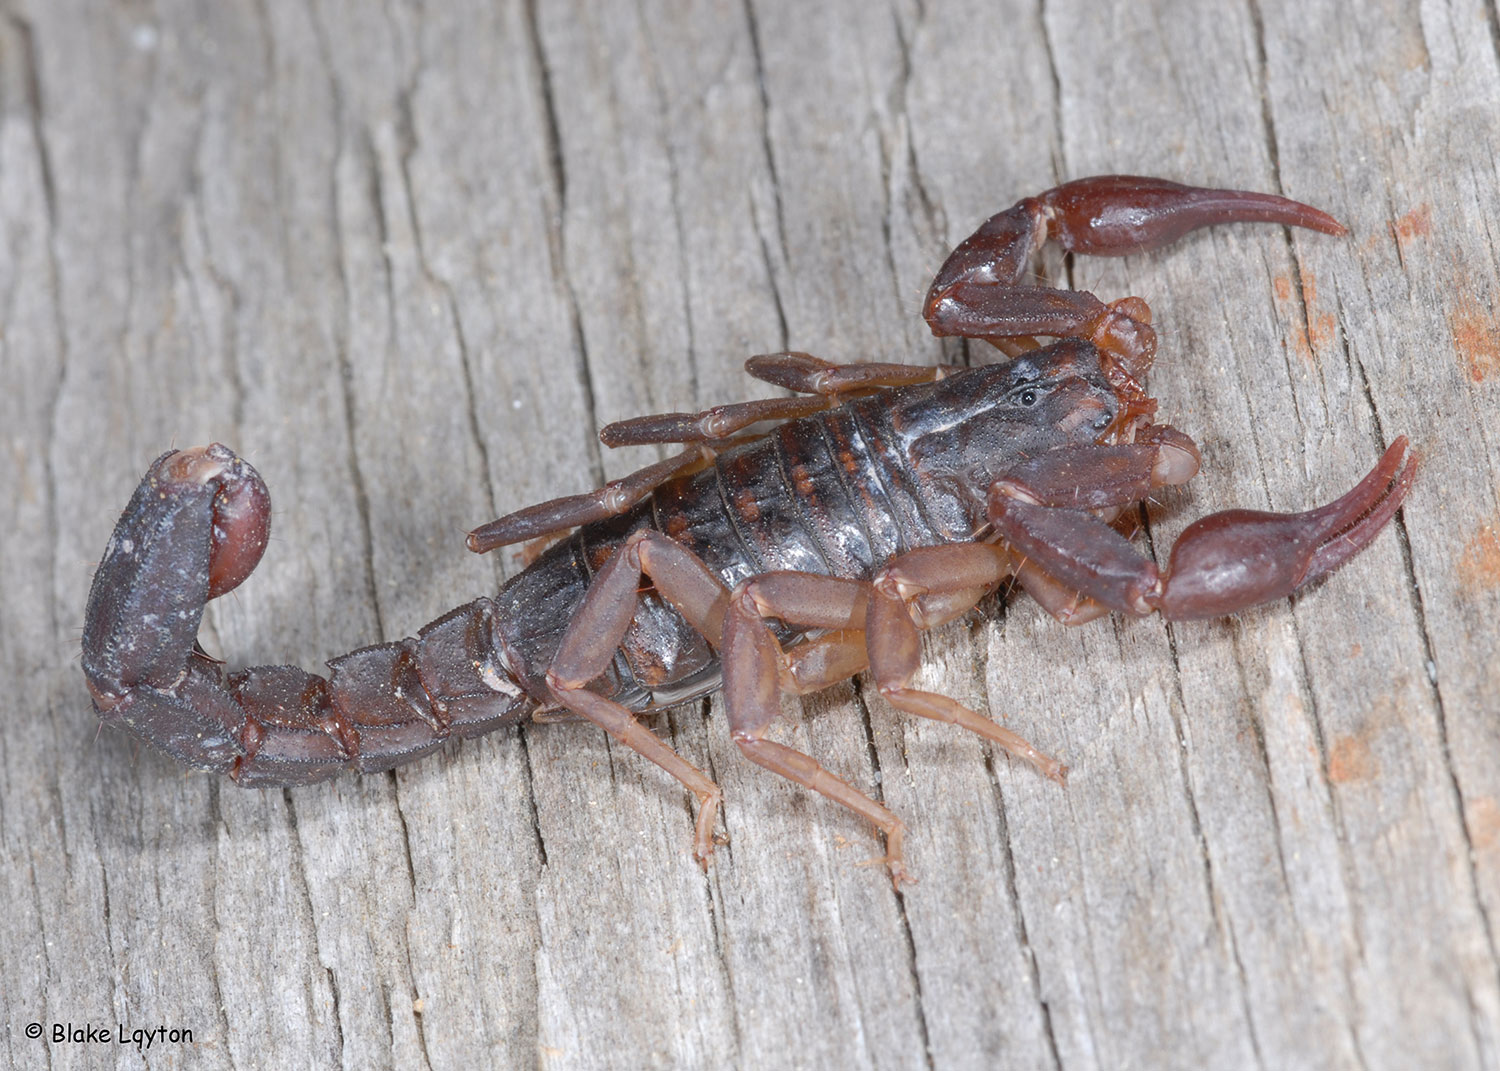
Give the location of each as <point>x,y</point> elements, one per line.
<point>891,498</point>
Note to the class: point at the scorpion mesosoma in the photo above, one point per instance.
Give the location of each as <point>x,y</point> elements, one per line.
<point>891,498</point>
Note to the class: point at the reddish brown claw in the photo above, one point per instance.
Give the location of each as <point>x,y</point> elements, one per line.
<point>1222,563</point>
<point>1112,215</point>
<point>978,292</point>
<point>1228,561</point>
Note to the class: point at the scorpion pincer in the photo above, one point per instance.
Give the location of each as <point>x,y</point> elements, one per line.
<point>889,498</point>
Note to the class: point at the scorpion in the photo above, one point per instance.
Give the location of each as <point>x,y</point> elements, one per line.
<point>883,499</point>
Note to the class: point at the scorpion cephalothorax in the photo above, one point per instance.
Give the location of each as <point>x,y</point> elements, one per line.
<point>890,498</point>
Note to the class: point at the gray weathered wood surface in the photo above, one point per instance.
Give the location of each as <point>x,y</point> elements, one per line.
<point>408,257</point>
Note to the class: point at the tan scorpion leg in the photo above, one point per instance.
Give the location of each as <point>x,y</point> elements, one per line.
<point>598,629</point>
<point>752,691</point>
<point>871,623</point>
<point>895,649</point>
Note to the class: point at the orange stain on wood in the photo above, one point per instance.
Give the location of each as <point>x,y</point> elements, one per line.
<point>1415,224</point>
<point>1484,822</point>
<point>1479,564</point>
<point>1476,337</point>
<point>1350,759</point>
<point>1319,326</point>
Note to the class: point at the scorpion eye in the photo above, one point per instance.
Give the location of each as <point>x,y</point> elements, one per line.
<point>1028,392</point>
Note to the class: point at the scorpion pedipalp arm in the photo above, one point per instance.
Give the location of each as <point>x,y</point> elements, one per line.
<point>1112,215</point>
<point>1220,564</point>
<point>978,293</point>
<point>1238,558</point>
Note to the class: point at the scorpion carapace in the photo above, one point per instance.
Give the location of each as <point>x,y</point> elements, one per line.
<point>890,498</point>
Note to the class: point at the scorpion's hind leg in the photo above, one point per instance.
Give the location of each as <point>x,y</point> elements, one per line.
<point>1220,564</point>
<point>562,514</point>
<point>599,627</point>
<point>978,293</point>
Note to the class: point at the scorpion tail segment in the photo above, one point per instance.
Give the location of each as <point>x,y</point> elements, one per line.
<point>1112,215</point>
<point>196,526</point>
<point>1238,558</point>
<point>194,529</point>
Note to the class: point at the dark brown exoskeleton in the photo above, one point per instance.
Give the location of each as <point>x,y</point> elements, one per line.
<point>891,499</point>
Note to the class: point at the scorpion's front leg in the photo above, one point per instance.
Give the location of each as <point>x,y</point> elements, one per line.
<point>978,291</point>
<point>1220,564</point>
<point>871,623</point>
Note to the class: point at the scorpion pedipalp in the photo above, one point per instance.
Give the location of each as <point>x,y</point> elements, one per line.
<point>1221,564</point>
<point>978,292</point>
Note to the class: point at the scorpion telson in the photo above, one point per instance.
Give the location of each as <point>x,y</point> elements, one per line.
<point>889,499</point>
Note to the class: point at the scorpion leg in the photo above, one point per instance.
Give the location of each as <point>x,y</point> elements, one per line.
<point>806,374</point>
<point>711,425</point>
<point>872,622</point>
<point>799,372</point>
<point>895,650</point>
<point>560,514</point>
<point>597,630</point>
<point>752,693</point>
<point>978,293</point>
<point>684,581</point>
<point>1220,564</point>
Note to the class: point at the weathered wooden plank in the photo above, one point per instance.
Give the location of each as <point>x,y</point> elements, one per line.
<point>408,259</point>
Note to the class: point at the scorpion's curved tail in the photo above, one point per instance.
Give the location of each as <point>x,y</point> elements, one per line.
<point>195,528</point>
<point>978,293</point>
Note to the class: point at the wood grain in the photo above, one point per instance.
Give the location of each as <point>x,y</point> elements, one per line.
<point>409,257</point>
